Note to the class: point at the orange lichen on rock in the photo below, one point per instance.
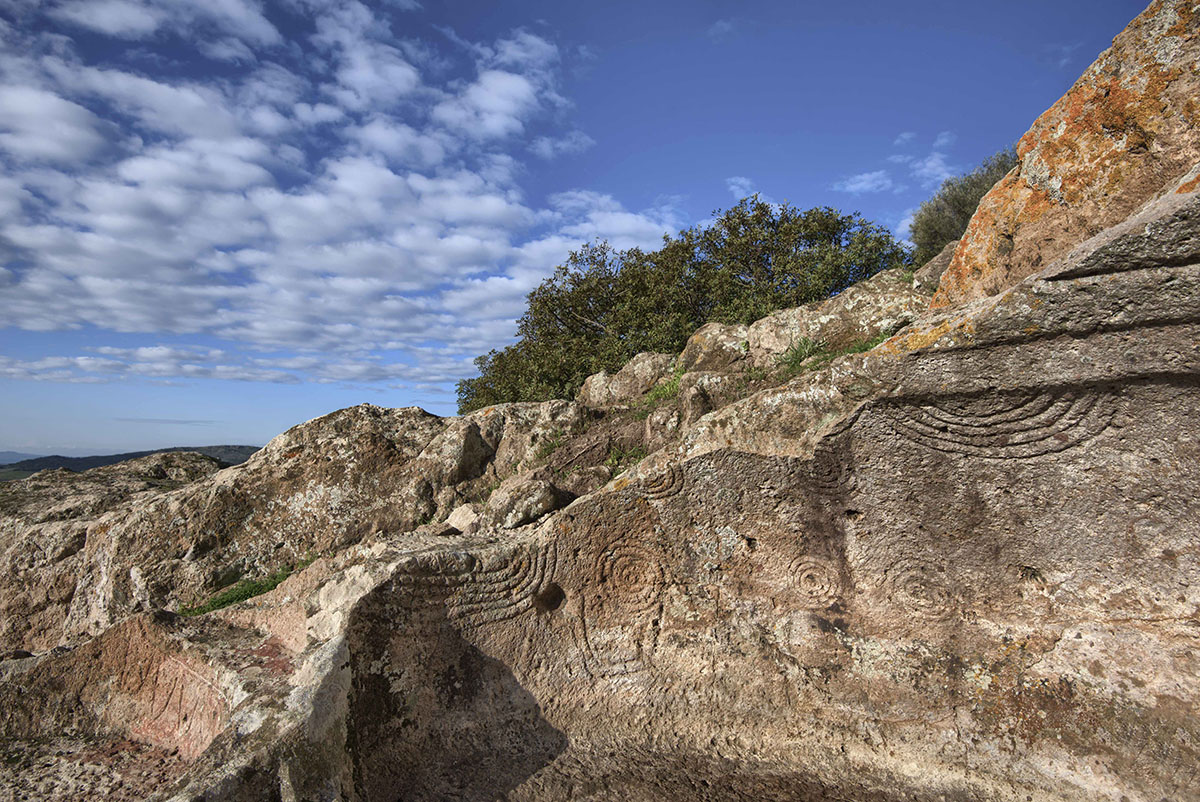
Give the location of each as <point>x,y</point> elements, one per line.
<point>1122,135</point>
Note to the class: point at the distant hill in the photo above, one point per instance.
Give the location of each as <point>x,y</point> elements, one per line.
<point>13,456</point>
<point>230,455</point>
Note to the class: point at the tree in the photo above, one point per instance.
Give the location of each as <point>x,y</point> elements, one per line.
<point>944,217</point>
<point>603,306</point>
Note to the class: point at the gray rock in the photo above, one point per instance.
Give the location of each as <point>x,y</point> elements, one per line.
<point>715,347</point>
<point>882,304</point>
<point>630,383</point>
<point>926,278</point>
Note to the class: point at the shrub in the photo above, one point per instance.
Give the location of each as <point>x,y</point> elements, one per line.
<point>944,217</point>
<point>604,306</point>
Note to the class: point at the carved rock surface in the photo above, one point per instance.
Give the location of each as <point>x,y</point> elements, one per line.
<point>319,487</point>
<point>1125,133</point>
<point>959,566</point>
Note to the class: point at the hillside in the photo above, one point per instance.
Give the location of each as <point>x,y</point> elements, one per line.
<point>229,455</point>
<point>934,538</point>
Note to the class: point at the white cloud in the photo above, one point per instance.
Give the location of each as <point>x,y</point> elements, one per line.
<point>138,19</point>
<point>493,107</point>
<point>326,213</point>
<point>123,18</point>
<point>875,181</point>
<point>904,137</point>
<point>40,125</point>
<point>932,170</point>
<point>740,187</point>
<point>944,140</point>
<point>721,30</point>
<point>546,147</point>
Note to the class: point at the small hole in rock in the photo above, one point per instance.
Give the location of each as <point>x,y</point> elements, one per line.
<point>549,598</point>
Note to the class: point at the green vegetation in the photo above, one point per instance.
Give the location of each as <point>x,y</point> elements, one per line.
<point>944,217</point>
<point>604,306</point>
<point>806,354</point>
<point>792,360</point>
<point>621,457</point>
<point>549,445</point>
<point>10,475</point>
<point>246,589</point>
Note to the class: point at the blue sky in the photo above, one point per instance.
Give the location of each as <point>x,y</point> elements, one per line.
<point>219,218</point>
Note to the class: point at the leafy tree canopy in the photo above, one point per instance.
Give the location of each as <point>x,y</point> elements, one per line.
<point>603,306</point>
<point>944,217</point>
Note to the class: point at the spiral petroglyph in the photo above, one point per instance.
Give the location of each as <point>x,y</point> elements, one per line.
<point>664,484</point>
<point>831,470</point>
<point>621,605</point>
<point>920,587</point>
<point>1005,427</point>
<point>816,580</point>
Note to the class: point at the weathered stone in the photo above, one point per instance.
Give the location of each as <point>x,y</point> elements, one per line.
<point>1122,135</point>
<point>520,500</point>
<point>702,392</point>
<point>715,346</point>
<point>661,426</point>
<point>464,518</point>
<point>929,275</point>
<point>959,566</point>
<point>882,304</point>
<point>630,383</point>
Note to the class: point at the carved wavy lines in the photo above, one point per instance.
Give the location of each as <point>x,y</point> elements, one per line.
<point>1005,427</point>
<point>664,484</point>
<point>479,590</point>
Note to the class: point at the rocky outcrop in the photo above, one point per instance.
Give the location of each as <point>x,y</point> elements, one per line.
<point>715,347</point>
<point>927,277</point>
<point>317,488</point>
<point>630,383</point>
<point>961,565</point>
<point>1125,133</point>
<point>44,524</point>
<point>882,304</point>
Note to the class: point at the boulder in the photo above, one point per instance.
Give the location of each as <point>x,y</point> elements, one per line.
<point>635,379</point>
<point>715,346</point>
<point>520,500</point>
<point>1128,131</point>
<point>929,275</point>
<point>882,304</point>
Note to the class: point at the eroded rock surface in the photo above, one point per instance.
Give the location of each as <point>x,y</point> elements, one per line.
<point>962,565</point>
<point>1125,133</point>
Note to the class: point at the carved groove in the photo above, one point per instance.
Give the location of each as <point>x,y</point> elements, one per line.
<point>816,580</point>
<point>621,607</point>
<point>663,485</point>
<point>1000,427</point>
<point>499,587</point>
<point>920,588</point>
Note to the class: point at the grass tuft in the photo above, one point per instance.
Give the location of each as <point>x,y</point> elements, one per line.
<point>246,589</point>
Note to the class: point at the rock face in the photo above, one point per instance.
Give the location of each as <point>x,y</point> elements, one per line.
<point>1126,132</point>
<point>962,565</point>
<point>882,304</point>
<point>628,384</point>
